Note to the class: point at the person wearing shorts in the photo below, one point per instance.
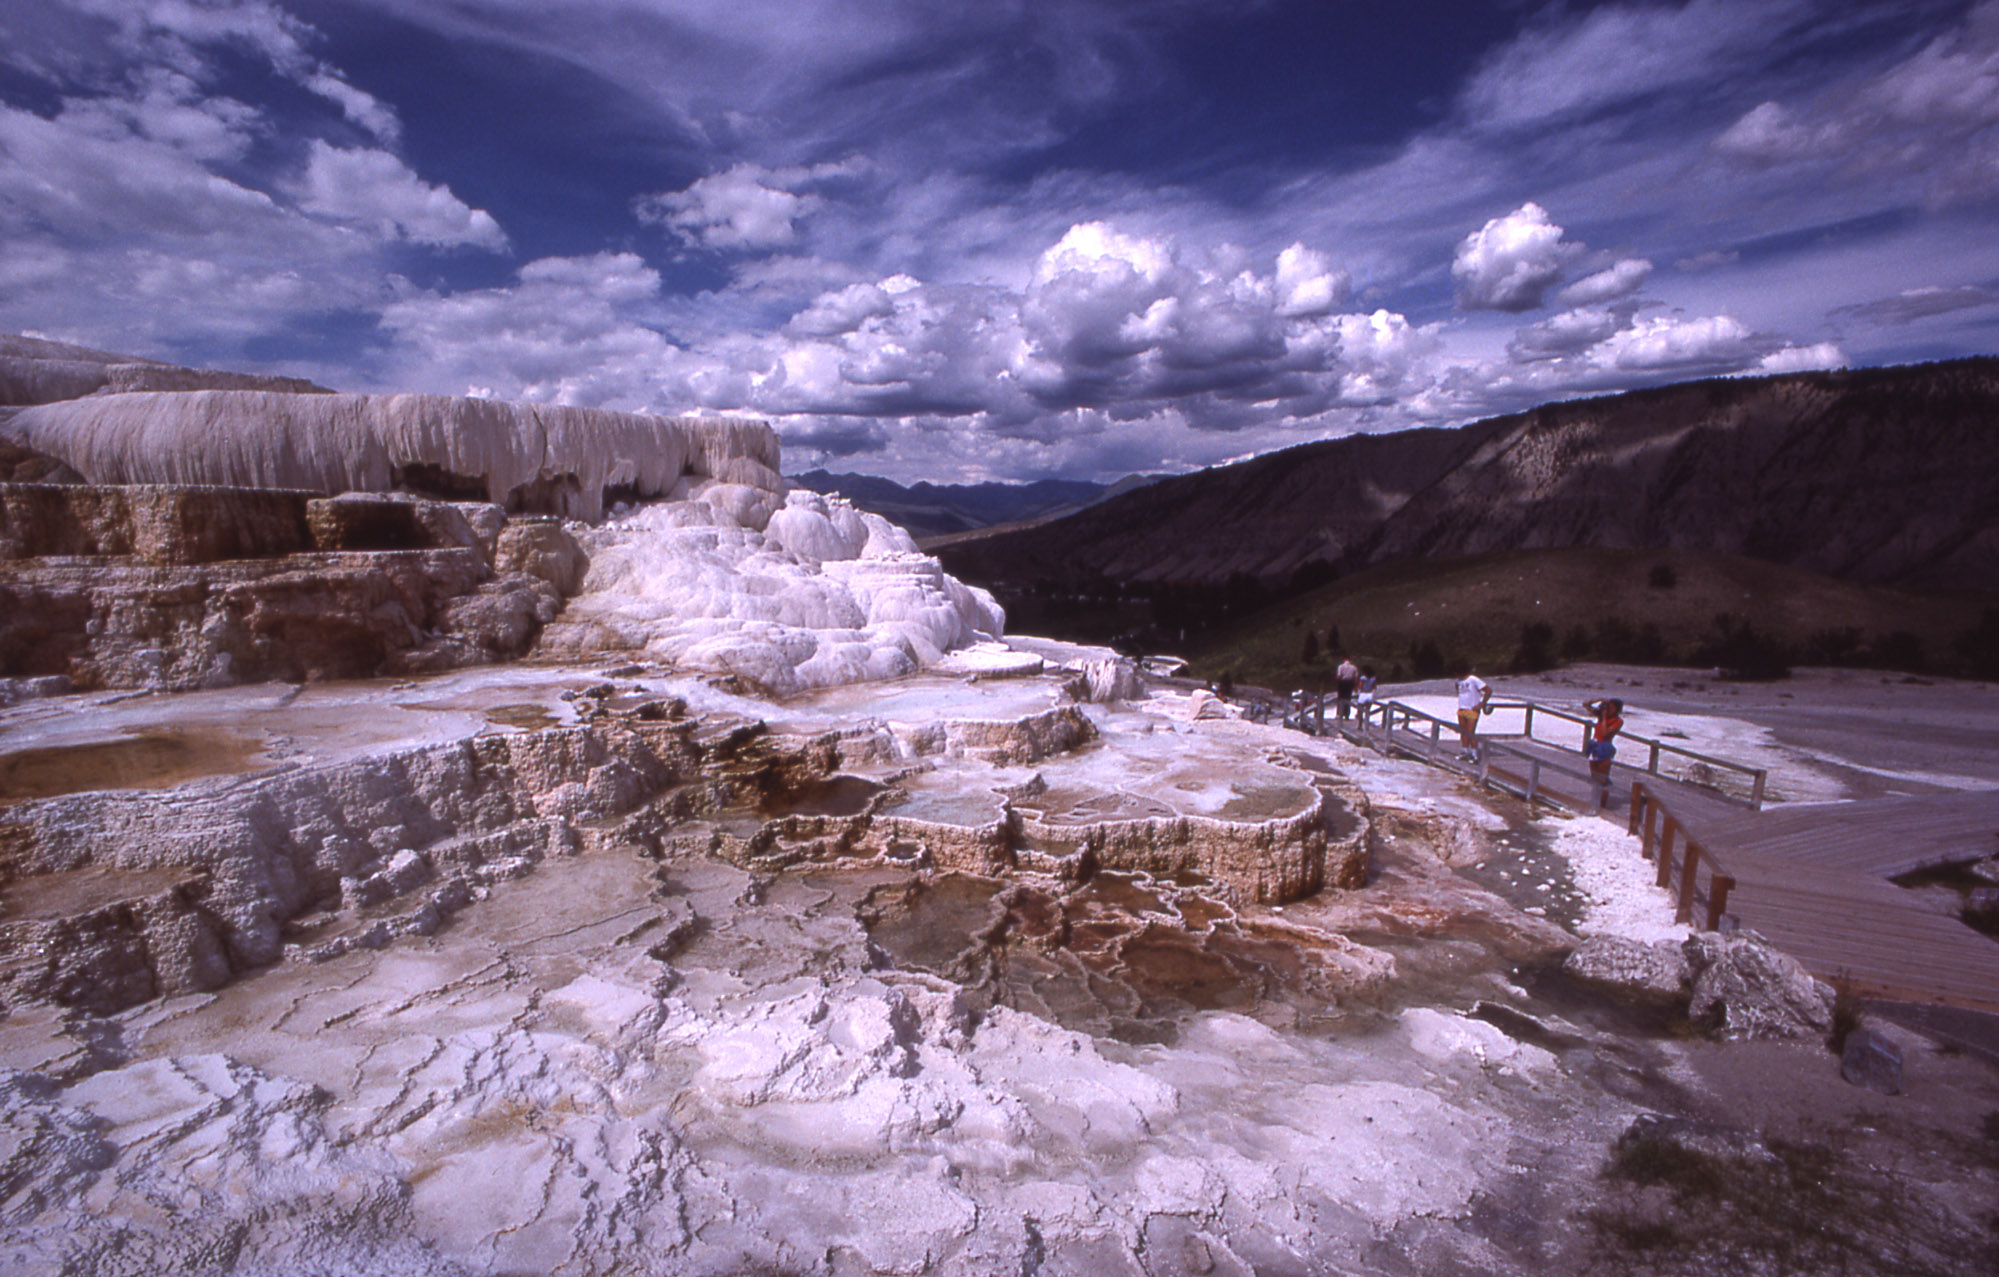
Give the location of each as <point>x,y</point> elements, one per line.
<point>1474,698</point>
<point>1597,744</point>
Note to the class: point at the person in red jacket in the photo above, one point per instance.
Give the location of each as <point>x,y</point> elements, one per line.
<point>1609,722</point>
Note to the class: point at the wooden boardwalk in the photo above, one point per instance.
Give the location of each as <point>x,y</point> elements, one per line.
<point>1813,879</point>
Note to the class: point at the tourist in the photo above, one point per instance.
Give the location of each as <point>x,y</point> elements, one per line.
<point>1597,744</point>
<point>1474,698</point>
<point>1344,680</point>
<point>1366,688</point>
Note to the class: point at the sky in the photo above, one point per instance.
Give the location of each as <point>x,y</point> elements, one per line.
<point>1016,239</point>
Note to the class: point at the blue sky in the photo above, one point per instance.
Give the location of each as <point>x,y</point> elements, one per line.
<point>1013,239</point>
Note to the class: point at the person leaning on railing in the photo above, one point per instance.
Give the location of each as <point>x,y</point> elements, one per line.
<point>1474,698</point>
<point>1598,746</point>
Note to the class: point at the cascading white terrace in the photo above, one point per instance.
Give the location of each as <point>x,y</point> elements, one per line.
<point>709,563</point>
<point>787,592</point>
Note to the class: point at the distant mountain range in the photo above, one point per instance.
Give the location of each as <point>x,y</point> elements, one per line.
<point>932,509</point>
<point>1878,475</point>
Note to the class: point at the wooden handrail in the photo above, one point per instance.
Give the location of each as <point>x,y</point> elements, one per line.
<point>1647,810</point>
<point>1758,777</point>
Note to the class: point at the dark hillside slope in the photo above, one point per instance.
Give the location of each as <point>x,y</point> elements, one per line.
<point>933,509</point>
<point>1883,475</point>
<point>1888,475</point>
<point>1267,517</point>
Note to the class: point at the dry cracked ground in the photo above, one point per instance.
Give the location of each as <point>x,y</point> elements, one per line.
<point>558,970</point>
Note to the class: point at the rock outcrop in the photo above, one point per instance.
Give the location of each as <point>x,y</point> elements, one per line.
<point>1645,972</point>
<point>709,560</point>
<point>168,588</point>
<point>156,526</point>
<point>1746,989</point>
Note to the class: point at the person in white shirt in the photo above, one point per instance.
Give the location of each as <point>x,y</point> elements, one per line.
<point>1474,698</point>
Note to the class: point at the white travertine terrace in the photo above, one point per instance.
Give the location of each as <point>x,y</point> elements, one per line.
<point>717,569</point>
<point>545,457</point>
<point>810,593</point>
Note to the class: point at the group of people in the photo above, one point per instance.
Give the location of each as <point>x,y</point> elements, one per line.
<point>1475,701</point>
<point>1351,683</point>
<point>1354,684</point>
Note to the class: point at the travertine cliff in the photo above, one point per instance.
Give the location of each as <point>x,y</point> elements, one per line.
<point>533,458</point>
<point>165,588</point>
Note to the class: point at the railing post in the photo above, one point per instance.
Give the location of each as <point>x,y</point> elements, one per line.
<point>1529,729</point>
<point>1667,829</point>
<point>1533,780</point>
<point>1718,886</point>
<point>1654,767</point>
<point>1756,791</point>
<point>1637,804</point>
<point>1322,714</point>
<point>1687,871</point>
<point>1435,728</point>
<point>1650,839</point>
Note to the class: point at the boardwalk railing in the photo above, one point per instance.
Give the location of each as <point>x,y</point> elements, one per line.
<point>1736,782</point>
<point>1726,779</point>
<point>1520,773</point>
<point>1660,835</point>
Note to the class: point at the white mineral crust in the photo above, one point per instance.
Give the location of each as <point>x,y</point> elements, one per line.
<point>559,457</point>
<point>784,591</point>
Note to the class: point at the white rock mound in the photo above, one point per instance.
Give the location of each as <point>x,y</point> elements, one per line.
<point>784,591</point>
<point>537,458</point>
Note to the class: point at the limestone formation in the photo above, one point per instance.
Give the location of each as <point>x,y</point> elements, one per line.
<point>534,458</point>
<point>729,579</point>
<point>717,569</point>
<point>537,982</point>
<point>160,587</point>
<point>157,526</point>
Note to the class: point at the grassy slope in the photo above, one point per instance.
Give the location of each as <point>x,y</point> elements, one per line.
<point>1476,607</point>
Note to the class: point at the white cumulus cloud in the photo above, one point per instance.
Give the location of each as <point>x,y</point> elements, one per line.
<point>376,189</point>
<point>1619,279</point>
<point>1511,262</point>
<point>1672,342</point>
<point>1308,283</point>
<point>746,206</point>
<point>1824,354</point>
